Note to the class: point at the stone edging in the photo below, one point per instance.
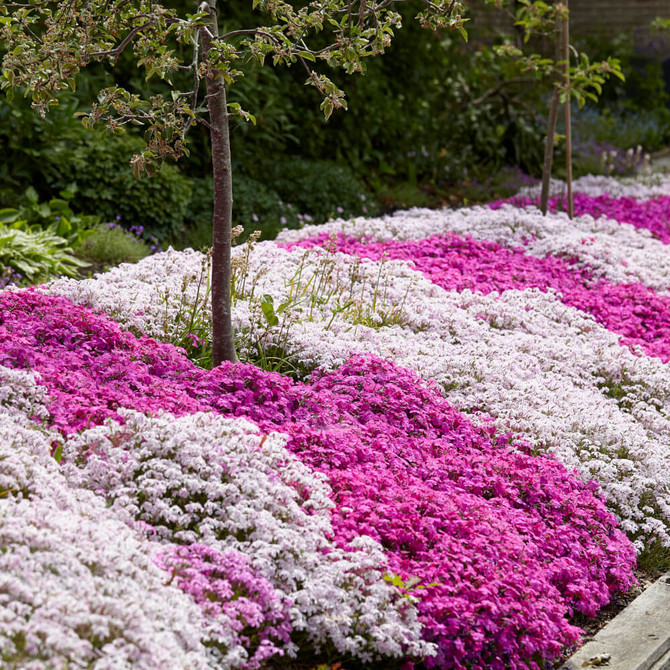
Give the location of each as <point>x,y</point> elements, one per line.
<point>636,639</point>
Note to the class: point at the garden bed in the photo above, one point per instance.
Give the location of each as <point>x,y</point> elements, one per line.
<point>447,443</point>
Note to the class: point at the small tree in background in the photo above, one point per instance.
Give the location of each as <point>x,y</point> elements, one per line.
<point>581,81</point>
<point>48,42</point>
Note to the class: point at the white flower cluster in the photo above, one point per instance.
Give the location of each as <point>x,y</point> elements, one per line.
<point>615,251</point>
<point>78,588</point>
<point>639,187</point>
<point>21,396</point>
<point>148,297</point>
<point>217,481</point>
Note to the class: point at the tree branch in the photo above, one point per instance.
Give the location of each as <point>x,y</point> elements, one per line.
<point>122,46</point>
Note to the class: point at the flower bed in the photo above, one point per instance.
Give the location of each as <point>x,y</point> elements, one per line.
<point>413,499</point>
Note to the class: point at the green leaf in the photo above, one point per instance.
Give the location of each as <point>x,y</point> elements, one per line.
<point>327,108</point>
<point>31,194</point>
<point>267,305</point>
<point>8,215</point>
<point>58,454</point>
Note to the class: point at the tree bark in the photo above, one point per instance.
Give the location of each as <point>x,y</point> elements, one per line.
<point>551,133</point>
<point>549,151</point>
<point>223,340</point>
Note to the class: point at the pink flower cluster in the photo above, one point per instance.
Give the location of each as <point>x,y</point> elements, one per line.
<point>638,313</point>
<point>506,544</point>
<point>652,214</point>
<point>237,602</point>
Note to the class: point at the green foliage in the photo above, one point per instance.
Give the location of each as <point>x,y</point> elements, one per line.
<point>577,77</point>
<point>654,558</point>
<point>47,47</point>
<point>432,111</point>
<point>157,203</point>
<point>320,189</point>
<point>109,245</point>
<point>287,193</point>
<point>35,254</point>
<point>643,90</point>
<point>54,215</point>
<point>61,161</point>
<point>623,130</point>
<point>256,207</point>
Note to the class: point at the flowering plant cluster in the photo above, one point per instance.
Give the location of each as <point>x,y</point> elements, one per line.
<point>206,480</point>
<point>652,214</point>
<point>414,497</point>
<point>506,544</point>
<point>78,588</point>
<point>237,602</point>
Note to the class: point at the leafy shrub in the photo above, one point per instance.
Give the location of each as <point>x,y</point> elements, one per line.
<point>281,194</point>
<point>25,140</point>
<point>321,189</point>
<point>52,154</point>
<point>157,203</point>
<point>35,255</point>
<point>109,245</point>
<point>255,207</point>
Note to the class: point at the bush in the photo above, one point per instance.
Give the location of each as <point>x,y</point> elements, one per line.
<point>52,154</point>
<point>157,203</point>
<point>109,245</point>
<point>319,189</point>
<point>31,255</point>
<point>284,194</point>
<point>255,207</point>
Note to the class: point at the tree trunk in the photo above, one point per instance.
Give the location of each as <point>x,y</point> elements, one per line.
<point>223,341</point>
<point>549,151</point>
<point>568,121</point>
<point>551,132</point>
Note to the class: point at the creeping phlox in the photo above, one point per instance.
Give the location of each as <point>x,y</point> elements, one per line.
<point>651,214</point>
<point>636,312</point>
<point>148,298</point>
<point>639,187</point>
<point>214,485</point>
<point>536,345</point>
<point>503,544</point>
<point>615,251</point>
<point>78,588</point>
<point>541,368</point>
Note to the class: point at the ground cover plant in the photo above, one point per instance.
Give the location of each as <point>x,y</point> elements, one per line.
<point>449,437</point>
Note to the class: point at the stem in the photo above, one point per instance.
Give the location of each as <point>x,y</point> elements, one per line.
<point>549,151</point>
<point>568,121</point>
<point>223,341</point>
<point>551,133</point>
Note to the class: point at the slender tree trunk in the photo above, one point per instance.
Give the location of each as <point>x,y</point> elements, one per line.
<point>549,151</point>
<point>223,341</point>
<point>551,132</point>
<point>568,120</point>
